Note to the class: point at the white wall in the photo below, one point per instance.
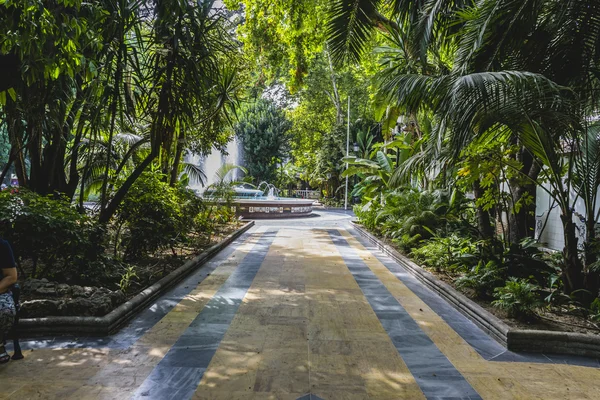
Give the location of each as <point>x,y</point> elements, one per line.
<point>211,163</point>
<point>552,234</point>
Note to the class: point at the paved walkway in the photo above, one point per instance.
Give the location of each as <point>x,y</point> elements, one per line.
<point>296,309</point>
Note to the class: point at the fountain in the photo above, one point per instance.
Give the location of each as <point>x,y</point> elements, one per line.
<point>264,202</point>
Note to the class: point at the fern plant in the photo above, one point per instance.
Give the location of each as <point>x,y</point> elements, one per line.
<point>445,253</point>
<point>483,278</point>
<point>518,298</point>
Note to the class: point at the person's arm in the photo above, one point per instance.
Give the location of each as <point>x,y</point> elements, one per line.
<point>8,266</point>
<point>10,278</point>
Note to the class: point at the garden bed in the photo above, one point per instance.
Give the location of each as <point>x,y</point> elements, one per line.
<point>47,298</point>
<point>547,320</point>
<point>550,332</point>
<point>109,323</point>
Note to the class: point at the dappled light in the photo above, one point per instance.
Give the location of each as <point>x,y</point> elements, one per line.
<point>299,199</point>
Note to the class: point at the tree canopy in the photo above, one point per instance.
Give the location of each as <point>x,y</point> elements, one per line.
<point>263,131</point>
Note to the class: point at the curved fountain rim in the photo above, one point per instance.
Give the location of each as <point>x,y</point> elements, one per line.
<point>275,201</point>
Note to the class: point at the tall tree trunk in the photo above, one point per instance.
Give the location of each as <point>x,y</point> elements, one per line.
<point>592,278</point>
<point>484,226</point>
<point>522,222</point>
<point>6,168</point>
<point>15,126</point>
<point>111,131</point>
<point>573,277</point>
<point>35,136</point>
<point>335,97</point>
<point>111,208</point>
<point>177,160</point>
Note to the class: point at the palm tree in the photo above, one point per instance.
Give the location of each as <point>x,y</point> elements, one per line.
<point>185,85</point>
<point>430,24</point>
<point>527,69</point>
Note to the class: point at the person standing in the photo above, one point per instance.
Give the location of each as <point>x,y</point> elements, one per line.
<point>7,304</point>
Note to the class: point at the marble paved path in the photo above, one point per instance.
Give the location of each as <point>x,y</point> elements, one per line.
<point>296,310</point>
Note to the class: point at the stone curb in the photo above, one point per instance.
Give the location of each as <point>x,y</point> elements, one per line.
<point>525,340</point>
<point>102,326</point>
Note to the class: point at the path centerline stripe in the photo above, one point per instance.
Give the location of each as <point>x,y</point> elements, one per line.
<point>434,373</point>
<point>178,374</point>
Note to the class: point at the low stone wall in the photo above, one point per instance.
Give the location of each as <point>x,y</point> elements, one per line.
<point>514,339</point>
<point>47,298</point>
<point>109,323</point>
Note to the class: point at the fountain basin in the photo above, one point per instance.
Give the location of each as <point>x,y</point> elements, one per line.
<point>251,203</point>
<point>278,207</point>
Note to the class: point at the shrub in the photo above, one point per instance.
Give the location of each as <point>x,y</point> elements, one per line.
<point>51,233</point>
<point>406,243</point>
<point>518,298</point>
<point>445,253</point>
<point>367,214</point>
<point>483,278</point>
<point>407,216</point>
<point>153,216</point>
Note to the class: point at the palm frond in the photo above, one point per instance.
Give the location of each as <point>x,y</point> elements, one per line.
<point>224,173</point>
<point>195,173</point>
<point>349,28</point>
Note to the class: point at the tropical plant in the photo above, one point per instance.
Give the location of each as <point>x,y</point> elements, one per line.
<point>483,278</point>
<point>221,193</point>
<point>518,298</point>
<point>445,253</point>
<point>497,74</point>
<point>161,75</point>
<point>375,175</point>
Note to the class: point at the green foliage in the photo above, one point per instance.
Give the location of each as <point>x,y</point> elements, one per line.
<point>127,278</point>
<point>367,215</point>
<point>318,133</point>
<point>328,168</point>
<point>97,92</point>
<point>423,213</point>
<point>518,298</point>
<point>445,253</point>
<point>52,234</point>
<point>408,216</point>
<point>483,278</point>
<point>154,216</point>
<point>263,131</point>
<point>282,37</point>
<point>595,310</point>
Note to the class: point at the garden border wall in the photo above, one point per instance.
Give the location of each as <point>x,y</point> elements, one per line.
<point>111,322</point>
<point>537,341</point>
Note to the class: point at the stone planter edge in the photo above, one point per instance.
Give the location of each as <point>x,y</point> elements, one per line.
<point>525,340</point>
<point>102,326</point>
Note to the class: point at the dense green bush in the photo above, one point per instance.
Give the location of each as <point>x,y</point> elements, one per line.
<point>367,215</point>
<point>436,228</point>
<point>518,298</point>
<point>154,216</point>
<point>59,241</point>
<point>445,253</point>
<point>408,216</point>
<point>483,278</point>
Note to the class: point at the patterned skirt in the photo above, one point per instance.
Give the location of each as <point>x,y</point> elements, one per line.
<point>7,313</point>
